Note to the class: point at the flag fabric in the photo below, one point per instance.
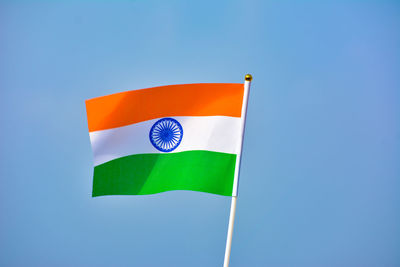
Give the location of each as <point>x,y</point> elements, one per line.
<point>176,137</point>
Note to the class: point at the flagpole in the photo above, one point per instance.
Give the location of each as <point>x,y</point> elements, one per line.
<point>247,82</point>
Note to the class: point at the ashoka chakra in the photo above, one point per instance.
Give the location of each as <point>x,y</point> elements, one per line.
<point>166,134</point>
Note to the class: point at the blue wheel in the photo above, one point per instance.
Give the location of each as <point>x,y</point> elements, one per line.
<point>166,134</point>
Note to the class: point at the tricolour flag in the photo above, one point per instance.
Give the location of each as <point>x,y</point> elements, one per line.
<point>176,137</point>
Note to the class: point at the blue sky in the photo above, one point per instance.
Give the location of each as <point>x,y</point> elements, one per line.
<point>320,178</point>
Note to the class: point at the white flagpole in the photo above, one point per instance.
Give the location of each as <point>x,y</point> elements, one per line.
<point>247,82</point>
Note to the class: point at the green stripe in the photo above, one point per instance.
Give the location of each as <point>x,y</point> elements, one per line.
<point>142,174</point>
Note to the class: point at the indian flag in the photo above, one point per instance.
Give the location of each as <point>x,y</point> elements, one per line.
<point>176,137</point>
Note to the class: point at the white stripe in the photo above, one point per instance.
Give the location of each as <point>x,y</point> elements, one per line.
<point>213,133</point>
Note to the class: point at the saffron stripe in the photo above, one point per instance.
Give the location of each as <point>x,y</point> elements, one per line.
<point>125,108</point>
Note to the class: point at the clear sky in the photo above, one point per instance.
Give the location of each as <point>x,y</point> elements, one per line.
<point>320,178</point>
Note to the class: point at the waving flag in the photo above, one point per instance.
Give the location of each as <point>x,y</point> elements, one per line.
<point>176,137</point>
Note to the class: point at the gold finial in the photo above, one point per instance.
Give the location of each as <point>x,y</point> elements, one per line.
<point>248,77</point>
